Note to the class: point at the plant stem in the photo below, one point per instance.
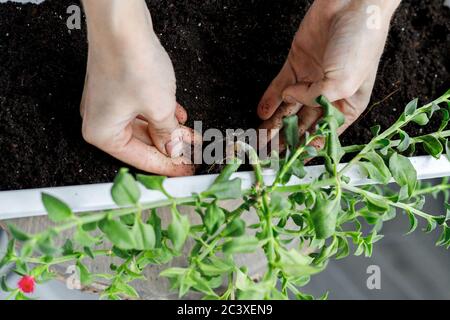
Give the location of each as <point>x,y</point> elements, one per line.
<point>396,143</point>
<point>433,189</point>
<point>96,217</point>
<point>392,130</point>
<point>67,258</point>
<point>400,205</point>
<point>292,160</point>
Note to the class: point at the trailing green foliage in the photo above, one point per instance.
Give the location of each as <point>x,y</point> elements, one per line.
<point>299,226</point>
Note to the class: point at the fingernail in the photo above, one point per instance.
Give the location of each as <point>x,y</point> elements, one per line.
<point>290,100</point>
<point>174,149</point>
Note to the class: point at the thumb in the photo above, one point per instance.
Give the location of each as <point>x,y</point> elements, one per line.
<point>163,129</point>
<point>307,93</point>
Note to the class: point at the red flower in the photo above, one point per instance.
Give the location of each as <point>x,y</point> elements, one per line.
<point>26,284</point>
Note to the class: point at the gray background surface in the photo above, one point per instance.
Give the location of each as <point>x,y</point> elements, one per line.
<point>412,267</point>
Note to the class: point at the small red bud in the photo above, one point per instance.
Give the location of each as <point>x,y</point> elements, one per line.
<point>26,284</point>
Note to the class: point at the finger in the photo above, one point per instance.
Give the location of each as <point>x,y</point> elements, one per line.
<point>189,138</point>
<point>350,111</point>
<point>308,118</point>
<point>163,130</point>
<point>307,93</point>
<point>140,131</point>
<point>175,149</point>
<point>275,123</point>
<point>273,97</point>
<point>147,158</point>
<point>307,121</point>
<point>180,114</point>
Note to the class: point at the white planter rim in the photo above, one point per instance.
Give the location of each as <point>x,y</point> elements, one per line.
<point>84,198</point>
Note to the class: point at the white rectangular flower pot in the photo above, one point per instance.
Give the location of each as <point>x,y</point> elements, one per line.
<point>27,203</point>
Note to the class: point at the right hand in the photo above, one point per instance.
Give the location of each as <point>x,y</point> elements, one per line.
<point>335,54</point>
<point>129,107</point>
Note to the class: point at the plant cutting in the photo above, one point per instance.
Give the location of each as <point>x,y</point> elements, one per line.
<point>299,227</point>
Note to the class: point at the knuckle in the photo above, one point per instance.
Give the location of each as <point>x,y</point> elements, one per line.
<point>89,133</point>
<point>96,137</point>
<point>347,89</point>
<point>162,117</point>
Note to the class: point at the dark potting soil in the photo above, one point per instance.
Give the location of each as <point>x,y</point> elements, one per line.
<point>225,54</point>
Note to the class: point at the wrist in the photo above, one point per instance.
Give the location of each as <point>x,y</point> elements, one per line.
<point>119,29</point>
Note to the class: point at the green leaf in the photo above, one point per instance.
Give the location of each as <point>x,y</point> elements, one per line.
<point>301,281</point>
<point>376,205</point>
<point>278,204</point>
<point>118,233</point>
<point>376,167</point>
<point>294,264</point>
<point>447,149</point>
<point>214,218</point>
<point>68,248</point>
<point>126,289</point>
<point>125,191</point>
<point>244,244</point>
<point>90,226</point>
<point>405,141</point>
<point>432,146</point>
<point>235,228</point>
<point>178,230</point>
<point>144,236</point>
<point>375,130</point>
<point>200,284</point>
<point>18,234</point>
<point>232,166</point>
<point>10,253</point>
<point>343,248</point>
<point>84,238</point>
<point>434,108</point>
<point>298,169</point>
<point>4,286</point>
<point>327,252</point>
<point>421,119</point>
<point>403,172</point>
<point>298,220</point>
<point>444,239</point>
<point>155,221</point>
<point>413,223</point>
<point>310,152</point>
<point>57,210</point>
<point>226,190</point>
<point>174,272</point>
<point>324,216</point>
<point>331,111</point>
<point>46,246</point>
<point>333,145</point>
<point>411,107</point>
<point>431,225</point>
<point>390,214</point>
<point>215,266</point>
<point>298,198</point>
<point>445,119</point>
<point>291,132</point>
<point>128,219</point>
<point>152,182</point>
<point>89,252</point>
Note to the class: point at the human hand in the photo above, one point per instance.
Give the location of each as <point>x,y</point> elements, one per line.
<point>129,107</point>
<point>335,53</point>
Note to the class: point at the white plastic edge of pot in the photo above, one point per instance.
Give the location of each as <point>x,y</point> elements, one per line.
<point>84,198</point>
